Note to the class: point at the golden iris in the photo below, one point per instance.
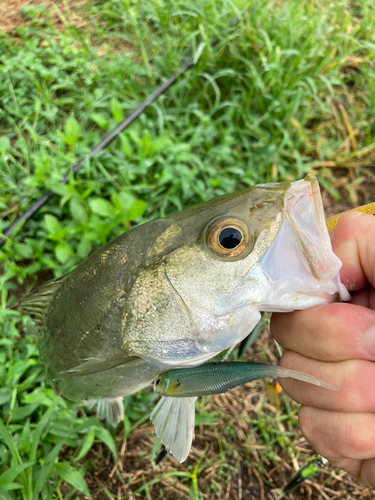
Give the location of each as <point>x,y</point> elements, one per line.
<point>228,237</point>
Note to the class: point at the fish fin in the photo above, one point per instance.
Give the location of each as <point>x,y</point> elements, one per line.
<point>173,419</point>
<point>96,365</point>
<point>37,303</point>
<point>285,373</point>
<point>111,410</point>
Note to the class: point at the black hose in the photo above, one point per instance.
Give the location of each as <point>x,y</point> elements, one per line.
<point>107,139</point>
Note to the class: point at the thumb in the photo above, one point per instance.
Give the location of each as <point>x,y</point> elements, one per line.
<point>354,244</point>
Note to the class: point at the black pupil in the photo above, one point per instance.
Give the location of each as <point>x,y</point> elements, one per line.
<point>230,237</point>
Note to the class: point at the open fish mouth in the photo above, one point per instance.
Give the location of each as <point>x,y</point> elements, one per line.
<point>300,270</point>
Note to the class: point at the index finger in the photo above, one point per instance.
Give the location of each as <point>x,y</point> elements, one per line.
<point>335,332</point>
<point>354,244</point>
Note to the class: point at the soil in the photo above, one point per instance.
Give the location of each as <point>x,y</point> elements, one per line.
<point>361,191</point>
<point>12,17</point>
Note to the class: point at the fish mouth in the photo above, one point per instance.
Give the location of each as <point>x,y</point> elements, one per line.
<point>299,270</point>
<point>305,214</point>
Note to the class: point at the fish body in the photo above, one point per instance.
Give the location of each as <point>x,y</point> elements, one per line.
<point>174,292</point>
<point>116,321</point>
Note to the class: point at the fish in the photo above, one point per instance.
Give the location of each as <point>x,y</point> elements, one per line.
<point>174,423</point>
<point>175,292</point>
<point>218,378</point>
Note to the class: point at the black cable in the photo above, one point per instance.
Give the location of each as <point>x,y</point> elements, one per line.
<point>107,139</point>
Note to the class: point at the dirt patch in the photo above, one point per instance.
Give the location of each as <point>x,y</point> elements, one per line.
<point>17,13</point>
<point>355,187</point>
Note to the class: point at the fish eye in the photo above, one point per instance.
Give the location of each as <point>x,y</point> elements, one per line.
<point>228,237</point>
<point>157,381</point>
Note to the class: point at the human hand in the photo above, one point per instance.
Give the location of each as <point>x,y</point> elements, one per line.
<point>336,343</point>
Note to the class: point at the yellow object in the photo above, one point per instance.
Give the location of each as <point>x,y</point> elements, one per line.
<point>332,221</point>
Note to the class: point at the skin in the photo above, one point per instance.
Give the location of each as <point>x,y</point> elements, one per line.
<point>334,343</point>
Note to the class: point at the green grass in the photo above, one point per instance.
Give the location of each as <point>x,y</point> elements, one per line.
<point>288,90</point>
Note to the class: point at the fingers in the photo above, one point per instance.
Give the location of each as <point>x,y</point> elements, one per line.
<point>334,332</point>
<point>353,243</point>
<point>353,378</point>
<point>364,297</point>
<point>337,434</point>
<point>336,343</point>
<point>346,439</point>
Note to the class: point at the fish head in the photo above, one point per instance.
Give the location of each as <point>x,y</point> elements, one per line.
<point>161,384</point>
<point>263,249</point>
<point>166,384</point>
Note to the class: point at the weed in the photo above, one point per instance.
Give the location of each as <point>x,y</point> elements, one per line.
<point>288,90</point>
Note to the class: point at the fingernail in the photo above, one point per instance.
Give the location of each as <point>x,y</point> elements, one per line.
<point>370,340</point>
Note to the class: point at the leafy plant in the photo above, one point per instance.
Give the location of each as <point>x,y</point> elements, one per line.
<point>288,90</point>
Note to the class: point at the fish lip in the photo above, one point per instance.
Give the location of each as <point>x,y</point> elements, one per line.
<point>304,212</point>
<point>299,270</point>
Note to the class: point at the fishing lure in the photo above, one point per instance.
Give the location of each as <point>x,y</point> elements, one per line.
<point>217,378</point>
<point>309,469</point>
<point>331,223</point>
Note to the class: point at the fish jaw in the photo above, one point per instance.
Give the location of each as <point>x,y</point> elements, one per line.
<point>300,270</point>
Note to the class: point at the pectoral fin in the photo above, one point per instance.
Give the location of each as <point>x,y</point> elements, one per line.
<point>174,419</point>
<point>95,365</point>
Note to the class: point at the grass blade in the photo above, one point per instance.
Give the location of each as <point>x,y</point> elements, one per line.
<point>73,477</point>
<point>46,468</point>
